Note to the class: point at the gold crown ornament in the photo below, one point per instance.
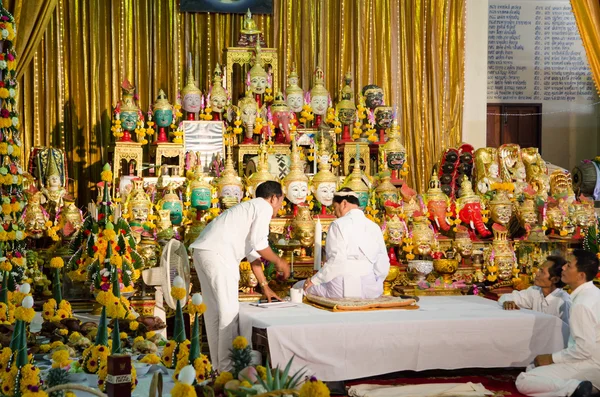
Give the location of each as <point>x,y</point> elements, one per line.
<point>435,192</point>
<point>467,195</point>
<point>279,104</point>
<point>355,181</point>
<point>318,88</point>
<point>127,100</point>
<point>162,103</point>
<point>217,90</point>
<point>262,174</point>
<point>229,176</point>
<point>247,101</point>
<point>296,167</point>
<point>257,70</point>
<point>190,87</point>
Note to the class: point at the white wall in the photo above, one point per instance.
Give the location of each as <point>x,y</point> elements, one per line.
<point>476,48</point>
<point>569,127</point>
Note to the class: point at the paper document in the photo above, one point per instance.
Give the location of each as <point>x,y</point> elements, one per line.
<point>279,305</point>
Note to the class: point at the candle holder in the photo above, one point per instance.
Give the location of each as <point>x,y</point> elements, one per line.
<point>288,247</point>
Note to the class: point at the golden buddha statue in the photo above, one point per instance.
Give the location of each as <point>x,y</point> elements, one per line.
<point>191,96</point>
<point>536,171</point>
<point>262,174</point>
<point>324,183</point>
<point>487,171</point>
<point>319,96</point>
<point>218,96</point>
<point>248,24</point>
<point>355,182</point>
<point>423,236</point>
<point>303,230</point>
<point>34,216</point>
<point>295,184</point>
<point>54,180</point>
<point>294,93</point>
<point>501,259</point>
<point>501,207</point>
<point>138,206</point>
<point>229,186</point>
<point>249,112</point>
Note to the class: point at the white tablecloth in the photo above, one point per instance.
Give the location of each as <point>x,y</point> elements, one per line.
<point>445,333</point>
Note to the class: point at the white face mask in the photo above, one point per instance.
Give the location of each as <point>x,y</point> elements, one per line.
<point>249,115</point>
<point>319,104</point>
<point>231,191</point>
<point>325,192</point>
<point>296,192</point>
<point>258,85</point>
<point>295,102</point>
<point>191,103</point>
<point>218,103</point>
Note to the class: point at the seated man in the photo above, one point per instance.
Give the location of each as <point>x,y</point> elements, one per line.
<point>546,296</point>
<point>356,259</point>
<point>575,370</point>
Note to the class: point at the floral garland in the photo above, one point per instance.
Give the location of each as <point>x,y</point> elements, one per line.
<point>306,115</point>
<point>54,313</point>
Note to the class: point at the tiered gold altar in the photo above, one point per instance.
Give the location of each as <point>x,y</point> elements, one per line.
<point>488,217</point>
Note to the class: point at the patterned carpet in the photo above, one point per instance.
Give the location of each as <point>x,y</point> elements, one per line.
<point>499,380</point>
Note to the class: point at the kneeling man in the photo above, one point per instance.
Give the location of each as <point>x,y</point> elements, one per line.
<point>356,259</point>
<point>573,371</point>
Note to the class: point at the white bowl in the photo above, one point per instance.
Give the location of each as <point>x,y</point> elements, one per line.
<point>92,380</point>
<point>78,377</point>
<point>141,369</point>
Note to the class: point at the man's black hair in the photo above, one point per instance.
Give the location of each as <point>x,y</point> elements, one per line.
<point>587,262</point>
<point>350,199</point>
<point>269,189</point>
<point>556,269</point>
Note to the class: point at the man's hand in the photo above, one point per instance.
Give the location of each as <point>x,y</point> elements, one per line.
<point>269,294</point>
<point>510,305</point>
<point>543,359</point>
<point>307,284</point>
<point>282,266</point>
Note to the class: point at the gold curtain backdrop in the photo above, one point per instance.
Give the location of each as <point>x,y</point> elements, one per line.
<point>81,51</point>
<point>587,16</point>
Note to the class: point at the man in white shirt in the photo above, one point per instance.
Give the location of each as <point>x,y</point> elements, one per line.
<point>239,232</point>
<point>546,295</point>
<point>573,371</point>
<point>356,259</point>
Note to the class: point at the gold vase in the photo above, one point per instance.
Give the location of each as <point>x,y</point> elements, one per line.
<point>387,283</point>
<point>445,267</point>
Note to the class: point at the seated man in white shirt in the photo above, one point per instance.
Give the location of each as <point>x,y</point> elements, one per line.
<point>573,371</point>
<point>546,295</point>
<point>356,259</point>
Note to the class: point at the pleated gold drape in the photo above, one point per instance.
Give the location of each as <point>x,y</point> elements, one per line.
<point>413,49</point>
<point>587,15</point>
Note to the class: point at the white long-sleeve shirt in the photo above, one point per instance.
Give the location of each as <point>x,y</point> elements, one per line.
<point>584,321</point>
<point>354,248</point>
<point>239,231</point>
<point>557,303</point>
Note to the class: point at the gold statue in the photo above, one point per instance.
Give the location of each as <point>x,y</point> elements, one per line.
<point>303,229</point>
<point>139,206</point>
<point>54,179</point>
<point>462,244</point>
<point>536,171</point>
<point>487,171</point>
<point>35,217</point>
<point>248,24</point>
<point>249,112</point>
<point>395,229</point>
<point>70,219</point>
<point>561,186</point>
